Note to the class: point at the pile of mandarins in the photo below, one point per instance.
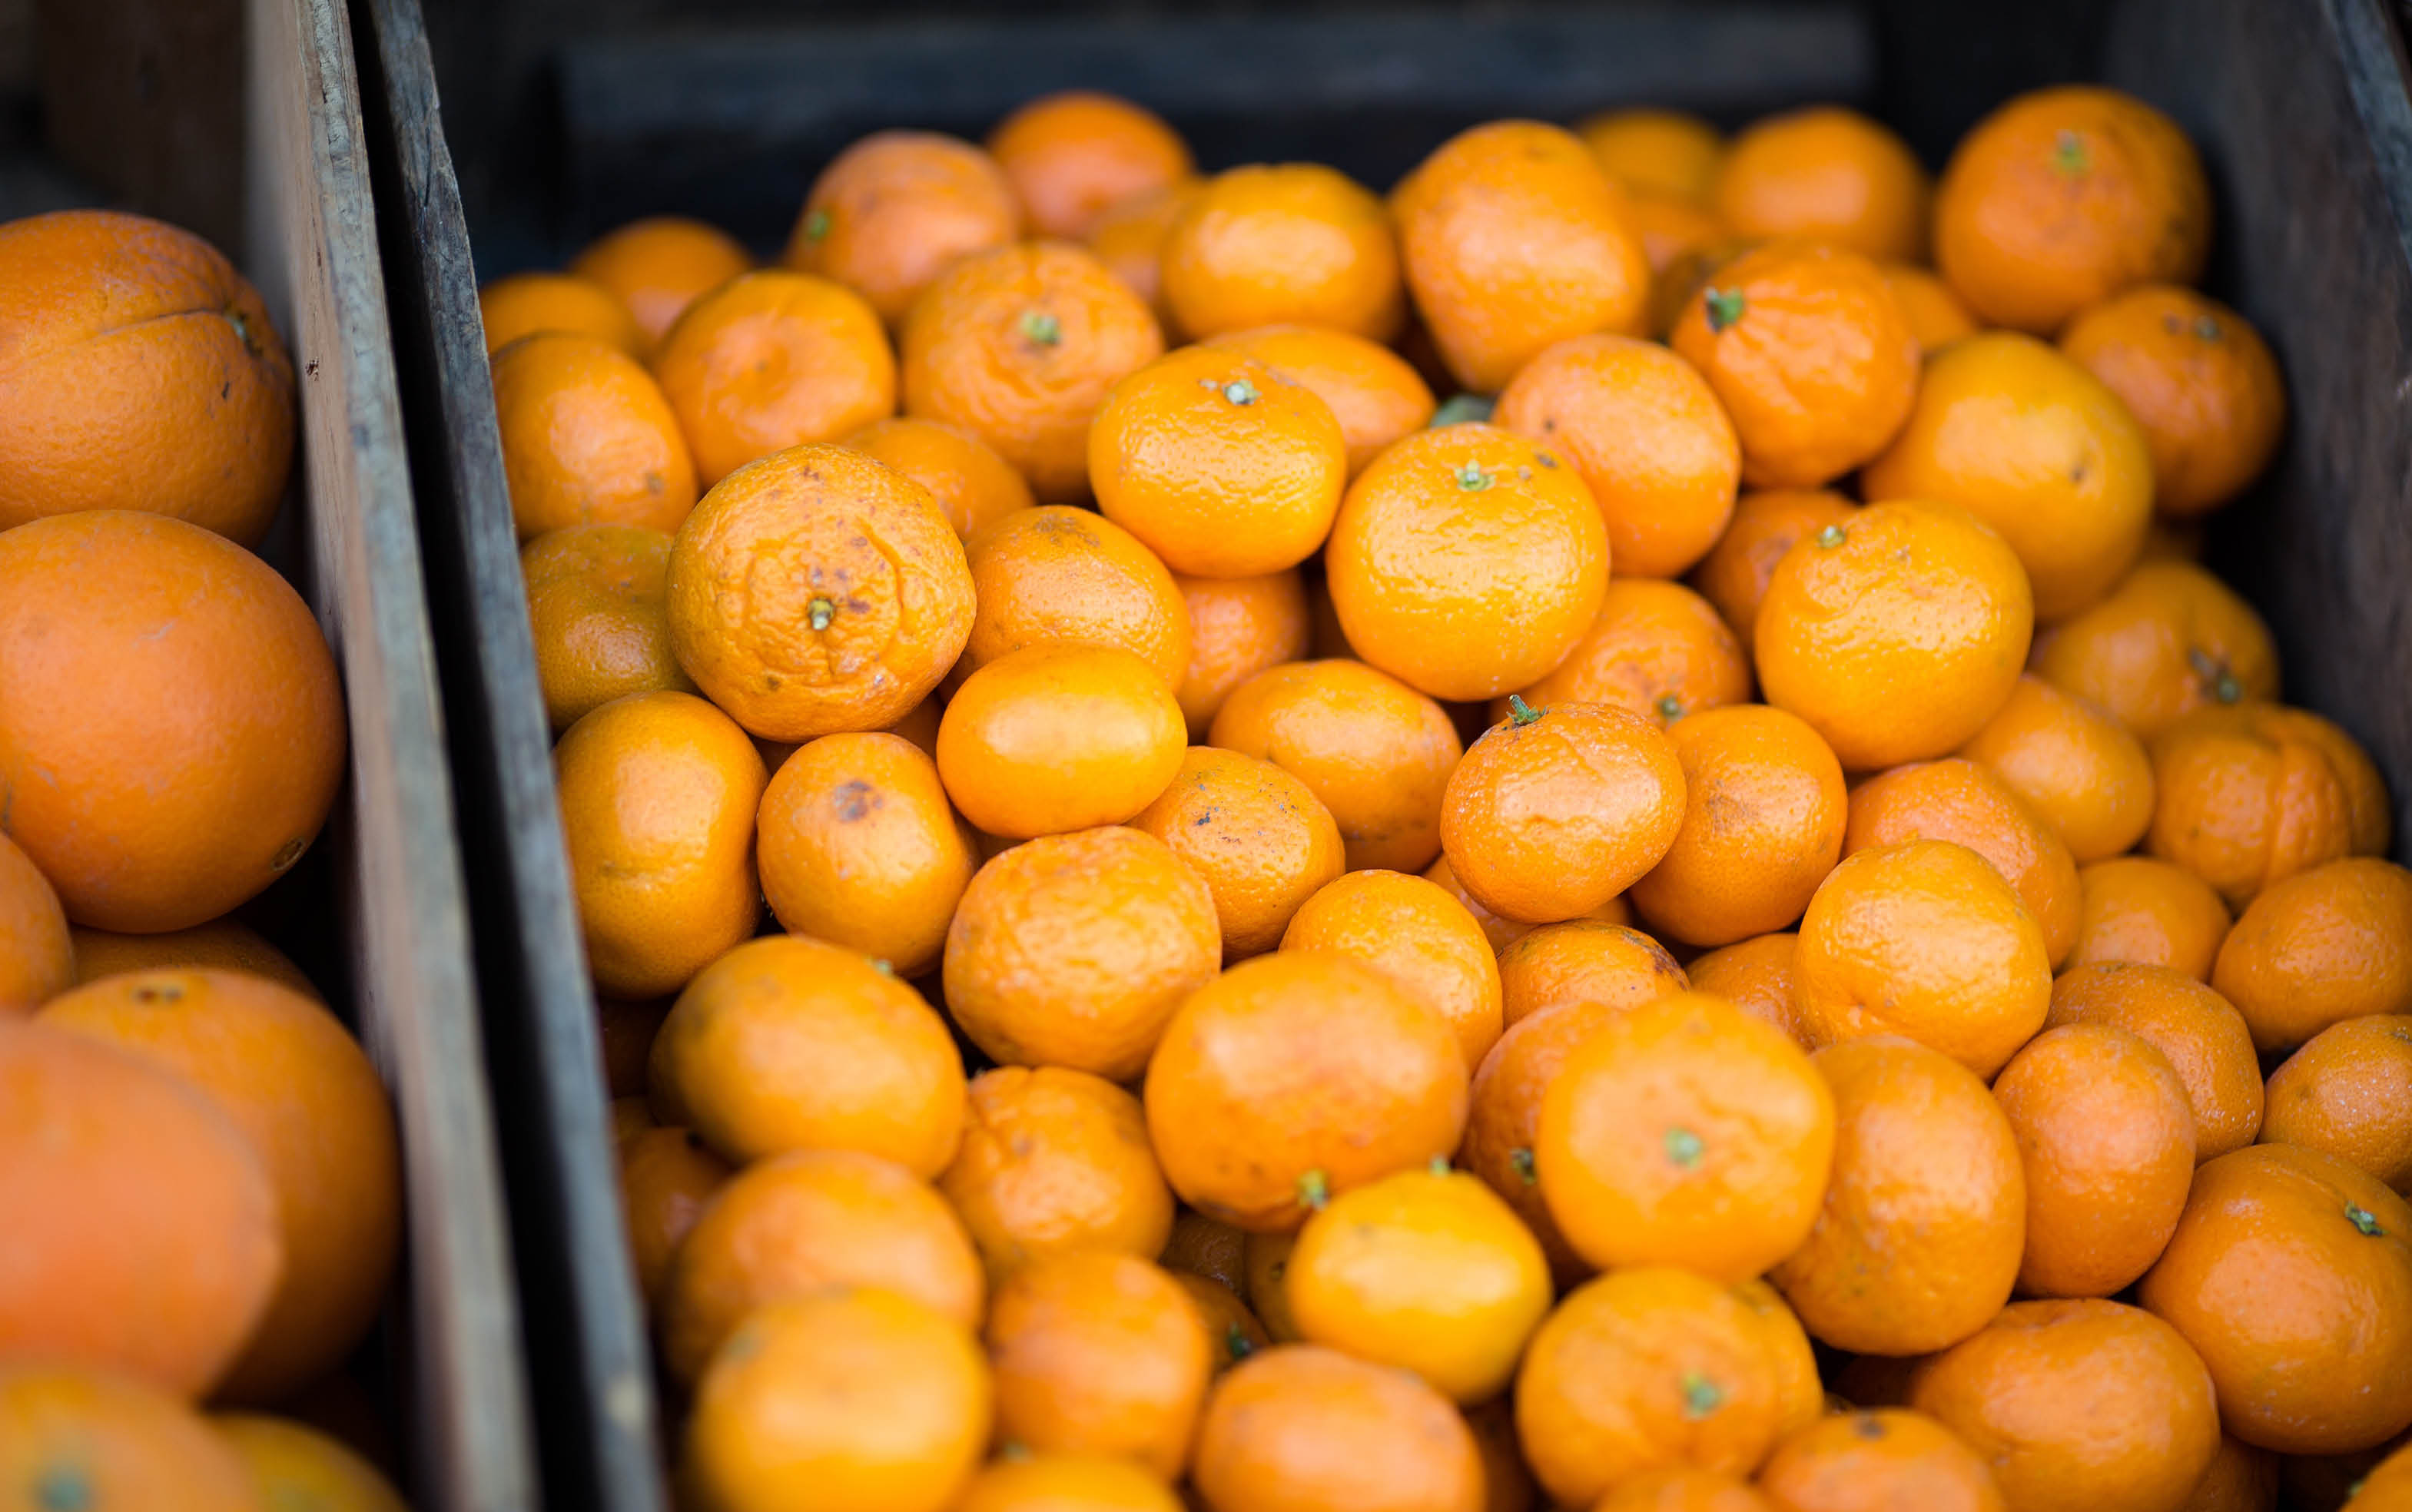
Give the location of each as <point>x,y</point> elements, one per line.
<point>1509,970</point>
<point>200,1186</point>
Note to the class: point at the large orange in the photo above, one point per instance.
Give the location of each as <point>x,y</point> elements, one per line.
<point>2079,769</point>
<point>896,209</point>
<point>772,360</point>
<point>37,958</point>
<point>1258,837</point>
<point>1657,648</point>
<point>1764,823</point>
<point>74,1437</point>
<point>1279,243</point>
<point>2329,944</point>
<point>1301,1428</point>
<point>598,601</point>
<point>1054,738</point>
<point>1059,576</point>
<point>1098,1353</point>
<point>2200,383</point>
<point>1056,1160</point>
<point>1375,394</point>
<point>2197,1031</point>
<point>1825,174</point>
<point>2170,640</point>
<point>658,266</point>
<point>1967,805</point>
<point>1073,156</point>
<point>1413,931</point>
<point>587,437</point>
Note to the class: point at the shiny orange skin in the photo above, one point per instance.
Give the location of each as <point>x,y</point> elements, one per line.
<point>658,266</point>
<point>2027,441</point>
<point>1656,648</point>
<point>1020,346</point>
<point>1054,738</point>
<point>853,1400</point>
<point>1056,1160</point>
<point>588,437</point>
<point>1514,238</point>
<point>1413,931</point>
<point>1587,960</point>
<point>1646,434</point>
<point>170,746</point>
<point>1295,1076</point>
<point>1962,802</point>
<point>668,1176</point>
<point>598,601</point>
<point>897,208</point>
<point>1734,575</point>
<point>1891,1460</point>
<point>138,371</point>
<point>1375,394</point>
<point>1098,1353</point>
<point>38,959</point>
<point>1686,1132</point>
<point>78,1437</point>
<point>1505,1118</point>
<point>1128,238</point>
<point>1925,1216</point>
<point>1300,1428</point>
<point>2077,768</point>
<point>2200,383</point>
<point>1256,836</point>
<point>1825,174</point>
<point>301,1466</point>
<point>145,1233</point>
<point>816,592</point>
<point>1664,151</point>
<point>1373,750</point>
<point>2197,1031</point>
<point>970,481</point>
<point>2064,197</point>
<point>1283,243</point>
<point>1809,353</point>
<point>2137,908</point>
<point>1936,316</point>
<point>1073,156</point>
<point>2170,640</point>
<point>2327,945</point>
<point>1550,817</point>
<point>1238,628</point>
<point>226,945</point>
<point>1764,810</point>
<point>1502,932</point>
<point>1898,635</point>
<point>2245,798</point>
<point>772,360</point>
<point>1059,576</point>
<point>1065,1483</point>
<point>2341,1095</point>
<point>1755,976</point>
<point>523,304</point>
<point>1075,950</point>
<point>1642,1370</point>
<point>658,793</point>
<point>1222,466</point>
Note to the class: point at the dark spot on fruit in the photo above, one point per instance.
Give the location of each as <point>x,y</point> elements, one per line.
<point>854,798</point>
<point>1868,1426</point>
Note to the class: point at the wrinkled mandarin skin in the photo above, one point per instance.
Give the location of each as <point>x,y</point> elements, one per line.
<point>1663,152</point>
<point>1764,810</point>
<point>2077,768</point>
<point>1587,960</point>
<point>2063,198</point>
<point>2341,1095</point>
<point>895,210</point>
<point>1648,437</point>
<point>1238,628</point>
<point>1825,174</point>
<point>2136,908</point>
<point>1937,317</point>
<point>1809,353</point>
<point>1923,939</point>
<point>523,304</point>
<point>1224,468</point>
<point>1098,1353</point>
<point>1684,1132</point>
<point>1502,932</point>
<point>2027,441</point>
<point>1413,932</point>
<point>970,481</point>
<point>2370,812</point>
<point>1055,737</point>
<point>2330,943</point>
<point>1755,976</point>
<point>2246,798</point>
<point>587,437</point>
<point>1055,1160</point>
<point>1019,347</point>
<point>1073,156</point>
<point>668,1176</point>
<point>2170,640</point>
<point>1550,817</point>
<point>598,601</point>
<point>2197,1031</point>
<point>1965,803</point>
<point>658,266</point>
<point>1645,1369</point>
<point>1656,649</point>
<point>1896,636</point>
<point>1504,1125</point>
<point>1301,1428</point>
<point>1284,243</point>
<point>1925,1214</point>
<point>773,360</point>
<point>1514,238</point>
<point>2200,383</point>
<point>1890,1459</point>
<point>1300,1072</point>
<point>298,1466</point>
<point>1373,750</point>
<point>38,957</point>
<point>1734,575</point>
<point>82,1436</point>
<point>1255,833</point>
<point>1128,238</point>
<point>1375,394</point>
<point>1065,1483</point>
<point>1058,576</point>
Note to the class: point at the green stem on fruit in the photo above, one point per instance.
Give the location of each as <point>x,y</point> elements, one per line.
<point>1519,712</point>
<point>816,224</point>
<point>1701,1396</point>
<point>820,612</point>
<point>1683,1148</point>
<point>1725,307</point>
<point>1315,1190</point>
<point>2068,154</point>
<point>1040,326</point>
<point>1671,708</point>
<point>1523,1160</point>
<point>2363,1219</point>
<point>1830,537</point>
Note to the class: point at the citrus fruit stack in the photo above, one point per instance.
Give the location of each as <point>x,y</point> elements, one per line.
<point>1699,926</point>
<point>199,1166</point>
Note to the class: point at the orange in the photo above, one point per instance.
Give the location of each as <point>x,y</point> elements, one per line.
<point>2170,640</point>
<point>1764,823</point>
<point>1890,1459</point>
<point>598,600</point>
<point>2064,197</point>
<point>1825,174</point>
<point>1222,466</point>
<point>1923,939</point>
<point>1074,155</point>
<point>1054,738</point>
<point>658,266</point>
<point>1801,1396</point>
<point>171,734</point>
<point>1128,238</point>
<point>1283,243</point>
<point>1411,931</point>
<point>298,1466</point>
<point>1811,355</point>
<point>1684,1132</point>
<point>1019,347</point>
<point>1058,576</point>
<point>1642,1370</point>
<point>1377,395</point>
<point>811,1221</point>
<point>225,944</point>
<point>84,1438</point>
<point>816,592</point>
<point>857,846</point>
<point>1074,949</point>
<point>587,437</point>
<point>1055,1160</point>
<point>630,1117</point>
<point>668,1176</point>
<point>1256,836</point>
<point>770,360</point>
<point>1925,1214</point>
<point>970,481</point>
<point>1657,648</point>
<point>2369,812</point>
<point>2199,380</point>
<point>2327,945</point>
<point>1556,811</point>
<point>1373,750</point>
<point>1588,960</point>
<point>138,371</point>
<point>2197,1031</point>
<point>1898,635</point>
<point>1734,575</point>
<point>2030,443</point>
<point>1098,1353</point>
<point>1233,1331</point>
<point>1755,976</point>
<point>1646,435</point>
<point>2245,798</point>
<point>145,1232</point>
<point>1426,1270</point>
<point>1685,273</point>
<point>38,957</point>
<point>2340,1095</point>
<point>1301,1428</point>
<point>2139,909</point>
<point>1208,1248</point>
<point>524,304</point>
<point>1966,804</point>
<point>849,1400</point>
<point>1065,1483</point>
<point>1573,265</point>
<point>1505,1115</point>
<point>1238,628</point>
<point>898,207</point>
<point>1502,932</point>
<point>1666,151</point>
<point>2389,1485</point>
<point>1295,1076</point>
<point>786,1043</point>
<point>1672,230</point>
<point>2242,1478</point>
<point>1936,316</point>
<point>2075,766</point>
<point>658,793</point>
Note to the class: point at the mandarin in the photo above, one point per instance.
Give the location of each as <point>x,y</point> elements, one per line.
<point>78,1437</point>
<point>525,304</point>
<point>1965,803</point>
<point>1301,1428</point>
<point>2330,943</point>
<point>38,955</point>
<point>1889,1460</point>
<point>2197,1031</point>
<point>1825,174</point>
<point>587,438</point>
<point>2200,383</point>
<point>2170,640</point>
<point>668,1176</point>
<point>1755,976</point>
<point>1413,932</point>
<point>2139,909</point>
<point>1058,576</point>
<point>1072,156</point>
<point>970,481</point>
<point>1055,1160</point>
<point>1281,244</point>
<point>1057,737</point>
<point>1238,628</point>
<point>1258,837</point>
<point>1587,960</point>
<point>1375,394</point>
<point>658,266</point>
<point>1098,1353</point>
<point>1656,648</point>
<point>598,603</point>
<point>1734,575</point>
<point>772,360</point>
<point>895,210</point>
<point>1764,814</point>
<point>2075,767</point>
